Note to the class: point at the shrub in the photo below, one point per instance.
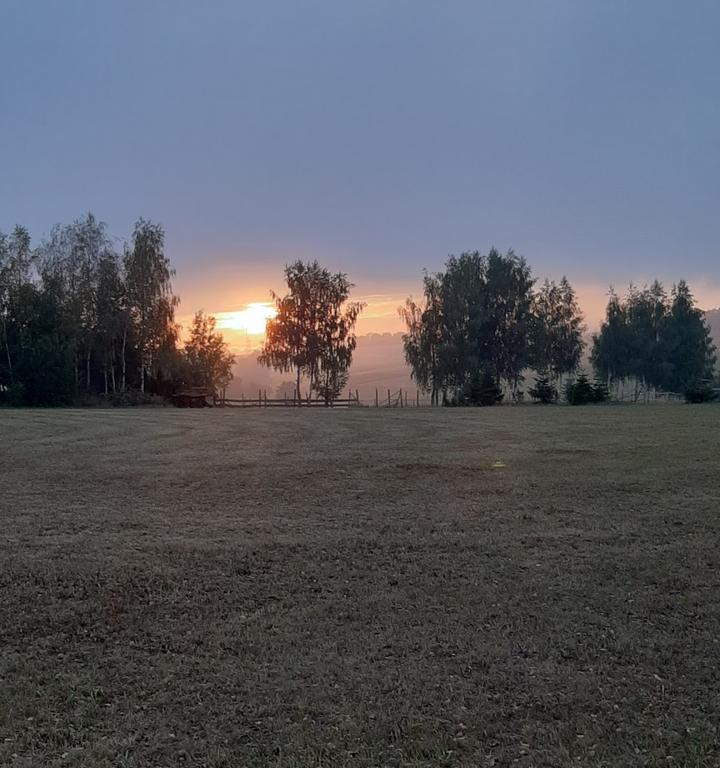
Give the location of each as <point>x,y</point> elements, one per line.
<point>12,395</point>
<point>701,392</point>
<point>544,391</point>
<point>482,390</point>
<point>582,391</point>
<point>132,397</point>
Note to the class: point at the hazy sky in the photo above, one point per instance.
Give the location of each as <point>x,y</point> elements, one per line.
<point>378,136</point>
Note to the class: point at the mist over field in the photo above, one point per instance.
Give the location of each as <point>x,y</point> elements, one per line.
<point>377,362</point>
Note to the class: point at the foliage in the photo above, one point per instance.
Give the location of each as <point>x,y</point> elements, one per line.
<point>313,332</point>
<point>659,341</point>
<point>480,317</point>
<point>700,392</point>
<point>150,301</point>
<point>544,390</point>
<point>582,391</point>
<point>557,333</point>
<point>473,322</point>
<point>208,362</point>
<point>77,320</point>
<point>481,389</point>
<point>423,340</point>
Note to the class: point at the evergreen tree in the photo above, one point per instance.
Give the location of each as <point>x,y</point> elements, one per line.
<point>691,353</point>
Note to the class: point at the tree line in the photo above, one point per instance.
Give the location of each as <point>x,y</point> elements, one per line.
<point>83,319</point>
<point>483,325</point>
<point>657,340</point>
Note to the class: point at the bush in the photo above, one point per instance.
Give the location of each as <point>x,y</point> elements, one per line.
<point>481,390</point>
<point>133,397</point>
<point>544,391</point>
<point>582,391</point>
<point>700,393</point>
<point>12,395</point>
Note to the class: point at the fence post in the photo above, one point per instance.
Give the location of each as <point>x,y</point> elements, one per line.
<point>417,398</point>
<point>388,398</point>
<point>377,401</point>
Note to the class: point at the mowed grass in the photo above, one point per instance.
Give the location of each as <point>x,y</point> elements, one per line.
<point>360,588</point>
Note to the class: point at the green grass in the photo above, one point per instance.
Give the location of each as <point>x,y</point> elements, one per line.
<point>360,588</point>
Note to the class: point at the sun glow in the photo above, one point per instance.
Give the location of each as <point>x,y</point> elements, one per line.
<point>251,320</point>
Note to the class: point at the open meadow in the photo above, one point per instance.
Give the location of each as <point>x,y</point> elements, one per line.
<point>360,588</point>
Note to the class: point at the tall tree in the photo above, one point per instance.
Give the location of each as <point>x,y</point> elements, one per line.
<point>337,340</point>
<point>556,340</point>
<point>422,341</point>
<point>207,357</point>
<point>312,333</point>
<point>150,301</point>
<point>610,350</point>
<point>691,352</point>
<point>111,316</point>
<point>654,341</point>
<point>16,258</point>
<point>476,320</point>
<point>70,264</point>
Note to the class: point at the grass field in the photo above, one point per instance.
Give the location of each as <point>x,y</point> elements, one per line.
<point>360,588</point>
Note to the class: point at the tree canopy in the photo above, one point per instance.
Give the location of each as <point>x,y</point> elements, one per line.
<point>79,319</point>
<point>481,320</point>
<point>313,331</point>
<point>659,341</point>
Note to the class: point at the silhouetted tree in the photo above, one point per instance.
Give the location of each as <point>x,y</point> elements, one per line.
<point>544,391</point>
<point>691,352</point>
<point>16,258</point>
<point>313,332</point>
<point>556,338</point>
<point>422,342</point>
<point>70,266</point>
<point>655,341</point>
<point>610,350</point>
<point>476,318</point>
<point>208,360</point>
<point>150,301</point>
<point>112,319</point>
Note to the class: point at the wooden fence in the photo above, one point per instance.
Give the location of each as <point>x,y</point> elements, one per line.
<point>398,399</point>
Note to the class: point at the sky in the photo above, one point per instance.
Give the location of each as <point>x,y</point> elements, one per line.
<point>377,136</point>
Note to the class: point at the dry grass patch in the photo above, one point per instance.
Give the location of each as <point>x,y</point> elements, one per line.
<point>360,588</point>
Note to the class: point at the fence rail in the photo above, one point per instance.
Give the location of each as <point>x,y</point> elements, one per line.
<point>398,399</point>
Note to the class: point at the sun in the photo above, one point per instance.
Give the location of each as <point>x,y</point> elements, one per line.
<point>251,320</point>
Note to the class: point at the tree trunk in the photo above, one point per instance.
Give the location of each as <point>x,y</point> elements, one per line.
<point>106,379</point>
<point>87,370</point>
<point>7,351</point>
<point>123,362</point>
